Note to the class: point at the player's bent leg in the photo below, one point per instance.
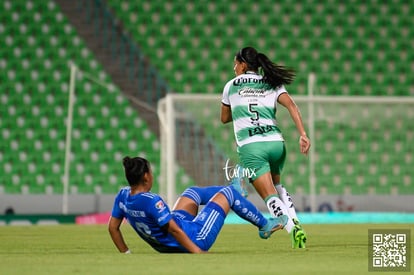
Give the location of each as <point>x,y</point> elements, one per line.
<point>241,206</point>
<point>201,195</point>
<point>287,199</point>
<point>194,196</point>
<point>185,207</point>
<point>264,185</point>
<point>298,235</point>
<point>207,225</point>
<point>248,211</point>
<point>277,208</point>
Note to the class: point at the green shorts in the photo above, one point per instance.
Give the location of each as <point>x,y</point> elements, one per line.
<point>259,158</point>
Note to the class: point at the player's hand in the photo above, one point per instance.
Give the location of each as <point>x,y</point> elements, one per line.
<point>304,144</point>
<point>199,251</point>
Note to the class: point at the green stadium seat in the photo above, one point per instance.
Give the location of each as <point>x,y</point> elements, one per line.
<point>36,66</point>
<point>359,58</point>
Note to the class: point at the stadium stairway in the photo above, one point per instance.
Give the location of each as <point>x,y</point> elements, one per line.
<point>40,44</point>
<point>107,42</point>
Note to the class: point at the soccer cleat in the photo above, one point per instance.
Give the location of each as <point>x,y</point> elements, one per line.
<point>272,225</point>
<point>298,236</point>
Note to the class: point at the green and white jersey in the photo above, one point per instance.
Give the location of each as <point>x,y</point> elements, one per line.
<point>253,106</point>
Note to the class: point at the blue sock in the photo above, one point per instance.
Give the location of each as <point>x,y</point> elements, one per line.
<point>201,195</point>
<point>242,207</point>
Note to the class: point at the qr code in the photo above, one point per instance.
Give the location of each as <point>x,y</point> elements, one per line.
<point>390,249</point>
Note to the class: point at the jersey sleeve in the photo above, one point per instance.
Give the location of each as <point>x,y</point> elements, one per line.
<point>160,211</point>
<point>280,90</point>
<point>116,210</point>
<point>225,97</point>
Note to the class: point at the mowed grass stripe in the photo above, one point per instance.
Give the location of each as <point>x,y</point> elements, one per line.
<point>75,249</point>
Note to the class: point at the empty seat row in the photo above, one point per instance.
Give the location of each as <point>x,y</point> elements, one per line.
<point>366,40</point>
<point>40,45</point>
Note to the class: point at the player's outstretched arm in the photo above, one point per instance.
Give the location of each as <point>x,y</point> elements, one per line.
<point>286,101</point>
<point>116,234</point>
<point>173,228</point>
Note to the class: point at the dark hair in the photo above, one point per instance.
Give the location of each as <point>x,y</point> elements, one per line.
<point>135,168</point>
<point>275,75</point>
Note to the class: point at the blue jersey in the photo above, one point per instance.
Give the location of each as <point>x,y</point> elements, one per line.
<point>147,212</point>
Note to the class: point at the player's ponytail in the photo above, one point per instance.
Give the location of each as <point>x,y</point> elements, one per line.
<point>135,168</point>
<point>274,74</point>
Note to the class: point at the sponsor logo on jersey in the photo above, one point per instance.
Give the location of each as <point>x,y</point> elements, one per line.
<point>262,130</point>
<point>252,92</point>
<point>160,206</point>
<point>133,213</point>
<point>244,80</point>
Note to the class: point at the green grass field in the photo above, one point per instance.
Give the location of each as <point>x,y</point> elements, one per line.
<point>75,249</point>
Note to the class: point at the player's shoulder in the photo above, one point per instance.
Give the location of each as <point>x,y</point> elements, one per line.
<point>233,84</point>
<point>150,195</point>
<point>153,200</point>
<point>229,83</point>
<point>281,89</point>
<point>124,190</point>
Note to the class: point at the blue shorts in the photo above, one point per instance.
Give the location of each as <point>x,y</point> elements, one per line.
<point>182,215</point>
<point>204,229</point>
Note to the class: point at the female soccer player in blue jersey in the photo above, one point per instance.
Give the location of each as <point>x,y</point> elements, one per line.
<point>183,229</point>
<point>250,100</point>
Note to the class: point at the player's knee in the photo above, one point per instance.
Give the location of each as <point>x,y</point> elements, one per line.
<point>228,193</point>
<point>192,193</point>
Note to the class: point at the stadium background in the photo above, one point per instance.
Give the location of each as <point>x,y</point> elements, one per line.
<point>132,53</point>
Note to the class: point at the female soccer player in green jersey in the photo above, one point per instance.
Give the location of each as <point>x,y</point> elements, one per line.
<point>250,100</point>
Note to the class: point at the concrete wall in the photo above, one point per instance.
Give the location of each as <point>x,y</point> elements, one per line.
<point>52,204</point>
<point>84,204</point>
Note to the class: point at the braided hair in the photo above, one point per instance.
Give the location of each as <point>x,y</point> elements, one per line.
<point>135,168</point>
<point>274,74</point>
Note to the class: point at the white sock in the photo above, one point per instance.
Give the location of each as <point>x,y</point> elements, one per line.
<point>287,200</point>
<point>276,208</point>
